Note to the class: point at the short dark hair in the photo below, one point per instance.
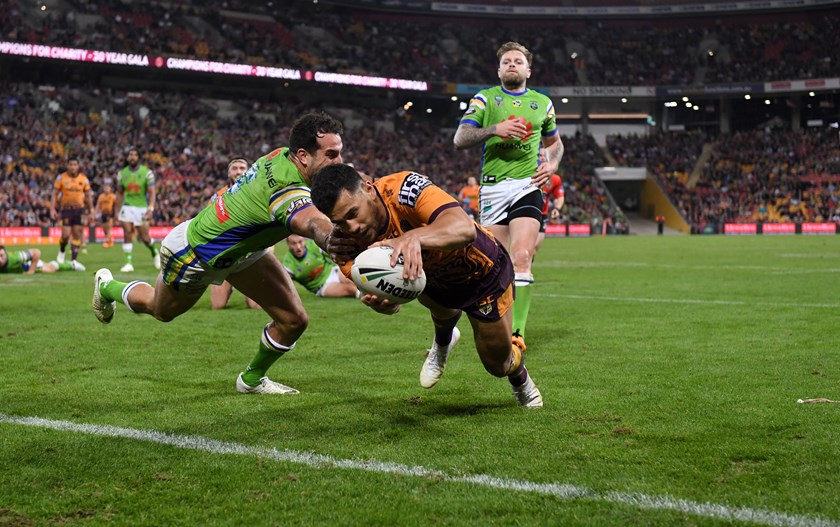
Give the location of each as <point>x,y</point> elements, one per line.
<point>514,46</point>
<point>308,128</point>
<point>330,181</point>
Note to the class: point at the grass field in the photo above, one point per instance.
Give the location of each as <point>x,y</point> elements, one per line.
<point>670,369</point>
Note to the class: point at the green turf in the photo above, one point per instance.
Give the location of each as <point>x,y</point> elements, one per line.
<point>670,367</point>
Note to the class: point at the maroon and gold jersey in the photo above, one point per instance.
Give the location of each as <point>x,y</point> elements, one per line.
<point>72,190</point>
<point>105,202</point>
<point>413,201</point>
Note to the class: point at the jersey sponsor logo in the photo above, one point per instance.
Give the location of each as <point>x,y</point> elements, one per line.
<point>297,204</point>
<point>132,187</point>
<point>412,185</point>
<point>471,111</point>
<point>513,146</point>
<point>534,106</point>
<point>221,211</point>
<point>517,103</point>
<point>488,178</point>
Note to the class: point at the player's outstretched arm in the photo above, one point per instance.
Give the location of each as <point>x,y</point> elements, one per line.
<point>451,229</point>
<point>311,223</point>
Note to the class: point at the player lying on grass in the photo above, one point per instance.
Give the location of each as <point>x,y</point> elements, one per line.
<point>231,239</point>
<point>309,266</point>
<point>466,268</point>
<point>29,262</point>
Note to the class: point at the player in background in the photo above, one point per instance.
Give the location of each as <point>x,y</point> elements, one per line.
<point>136,205</point>
<point>105,210</point>
<point>467,269</point>
<point>511,122</point>
<point>28,261</point>
<point>220,293</point>
<point>469,195</point>
<point>72,197</point>
<point>231,239</point>
<point>309,266</point>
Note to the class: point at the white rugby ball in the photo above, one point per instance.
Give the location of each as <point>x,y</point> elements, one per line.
<point>373,275</point>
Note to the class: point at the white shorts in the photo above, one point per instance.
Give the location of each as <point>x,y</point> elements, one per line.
<point>181,269</point>
<point>133,215</point>
<point>333,278</point>
<point>494,201</point>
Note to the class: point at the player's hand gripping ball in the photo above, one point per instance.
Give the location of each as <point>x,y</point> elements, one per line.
<point>373,275</point>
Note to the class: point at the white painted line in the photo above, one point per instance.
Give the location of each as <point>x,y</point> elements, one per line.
<point>687,301</point>
<point>563,491</point>
<point>584,264</point>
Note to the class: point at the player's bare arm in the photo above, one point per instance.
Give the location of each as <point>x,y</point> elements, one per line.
<point>553,152</point>
<point>54,205</point>
<point>118,200</point>
<point>33,264</point>
<point>310,223</point>
<point>151,193</point>
<point>467,136</point>
<point>451,229</point>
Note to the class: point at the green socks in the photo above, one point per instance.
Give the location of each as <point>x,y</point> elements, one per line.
<point>523,285</point>
<point>112,291</point>
<point>270,350</point>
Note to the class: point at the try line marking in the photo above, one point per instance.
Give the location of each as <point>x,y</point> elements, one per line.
<point>686,301</point>
<point>562,491</point>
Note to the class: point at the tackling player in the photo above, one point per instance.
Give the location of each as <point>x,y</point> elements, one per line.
<point>220,293</point>
<point>467,269</point>
<point>511,122</point>
<point>231,239</point>
<point>136,203</point>
<point>309,266</point>
<point>71,196</point>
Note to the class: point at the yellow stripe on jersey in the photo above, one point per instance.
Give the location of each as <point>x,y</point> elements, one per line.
<point>284,202</point>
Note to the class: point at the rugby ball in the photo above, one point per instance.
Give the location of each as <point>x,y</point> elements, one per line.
<point>373,275</point>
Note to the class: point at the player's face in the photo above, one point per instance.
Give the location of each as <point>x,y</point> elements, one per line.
<point>236,169</point>
<point>360,214</point>
<point>514,70</point>
<point>73,167</point>
<point>107,189</point>
<point>471,181</point>
<point>4,258</point>
<point>327,153</point>
<point>133,158</point>
<point>297,245</point>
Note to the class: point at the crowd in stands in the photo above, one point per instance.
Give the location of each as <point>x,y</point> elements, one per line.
<point>764,175</point>
<point>321,37</point>
<point>187,146</point>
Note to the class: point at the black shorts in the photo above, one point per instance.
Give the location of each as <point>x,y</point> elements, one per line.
<point>106,217</point>
<point>72,217</point>
<point>528,206</point>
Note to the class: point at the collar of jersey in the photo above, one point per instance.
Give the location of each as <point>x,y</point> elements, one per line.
<point>513,92</point>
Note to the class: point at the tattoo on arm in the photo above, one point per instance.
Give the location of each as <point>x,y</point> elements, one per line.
<point>469,136</point>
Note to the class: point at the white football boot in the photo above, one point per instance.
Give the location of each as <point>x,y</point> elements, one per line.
<point>432,369</point>
<point>127,268</point>
<point>528,395</point>
<point>103,309</point>
<point>265,387</point>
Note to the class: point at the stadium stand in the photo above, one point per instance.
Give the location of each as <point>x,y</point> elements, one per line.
<point>317,36</point>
